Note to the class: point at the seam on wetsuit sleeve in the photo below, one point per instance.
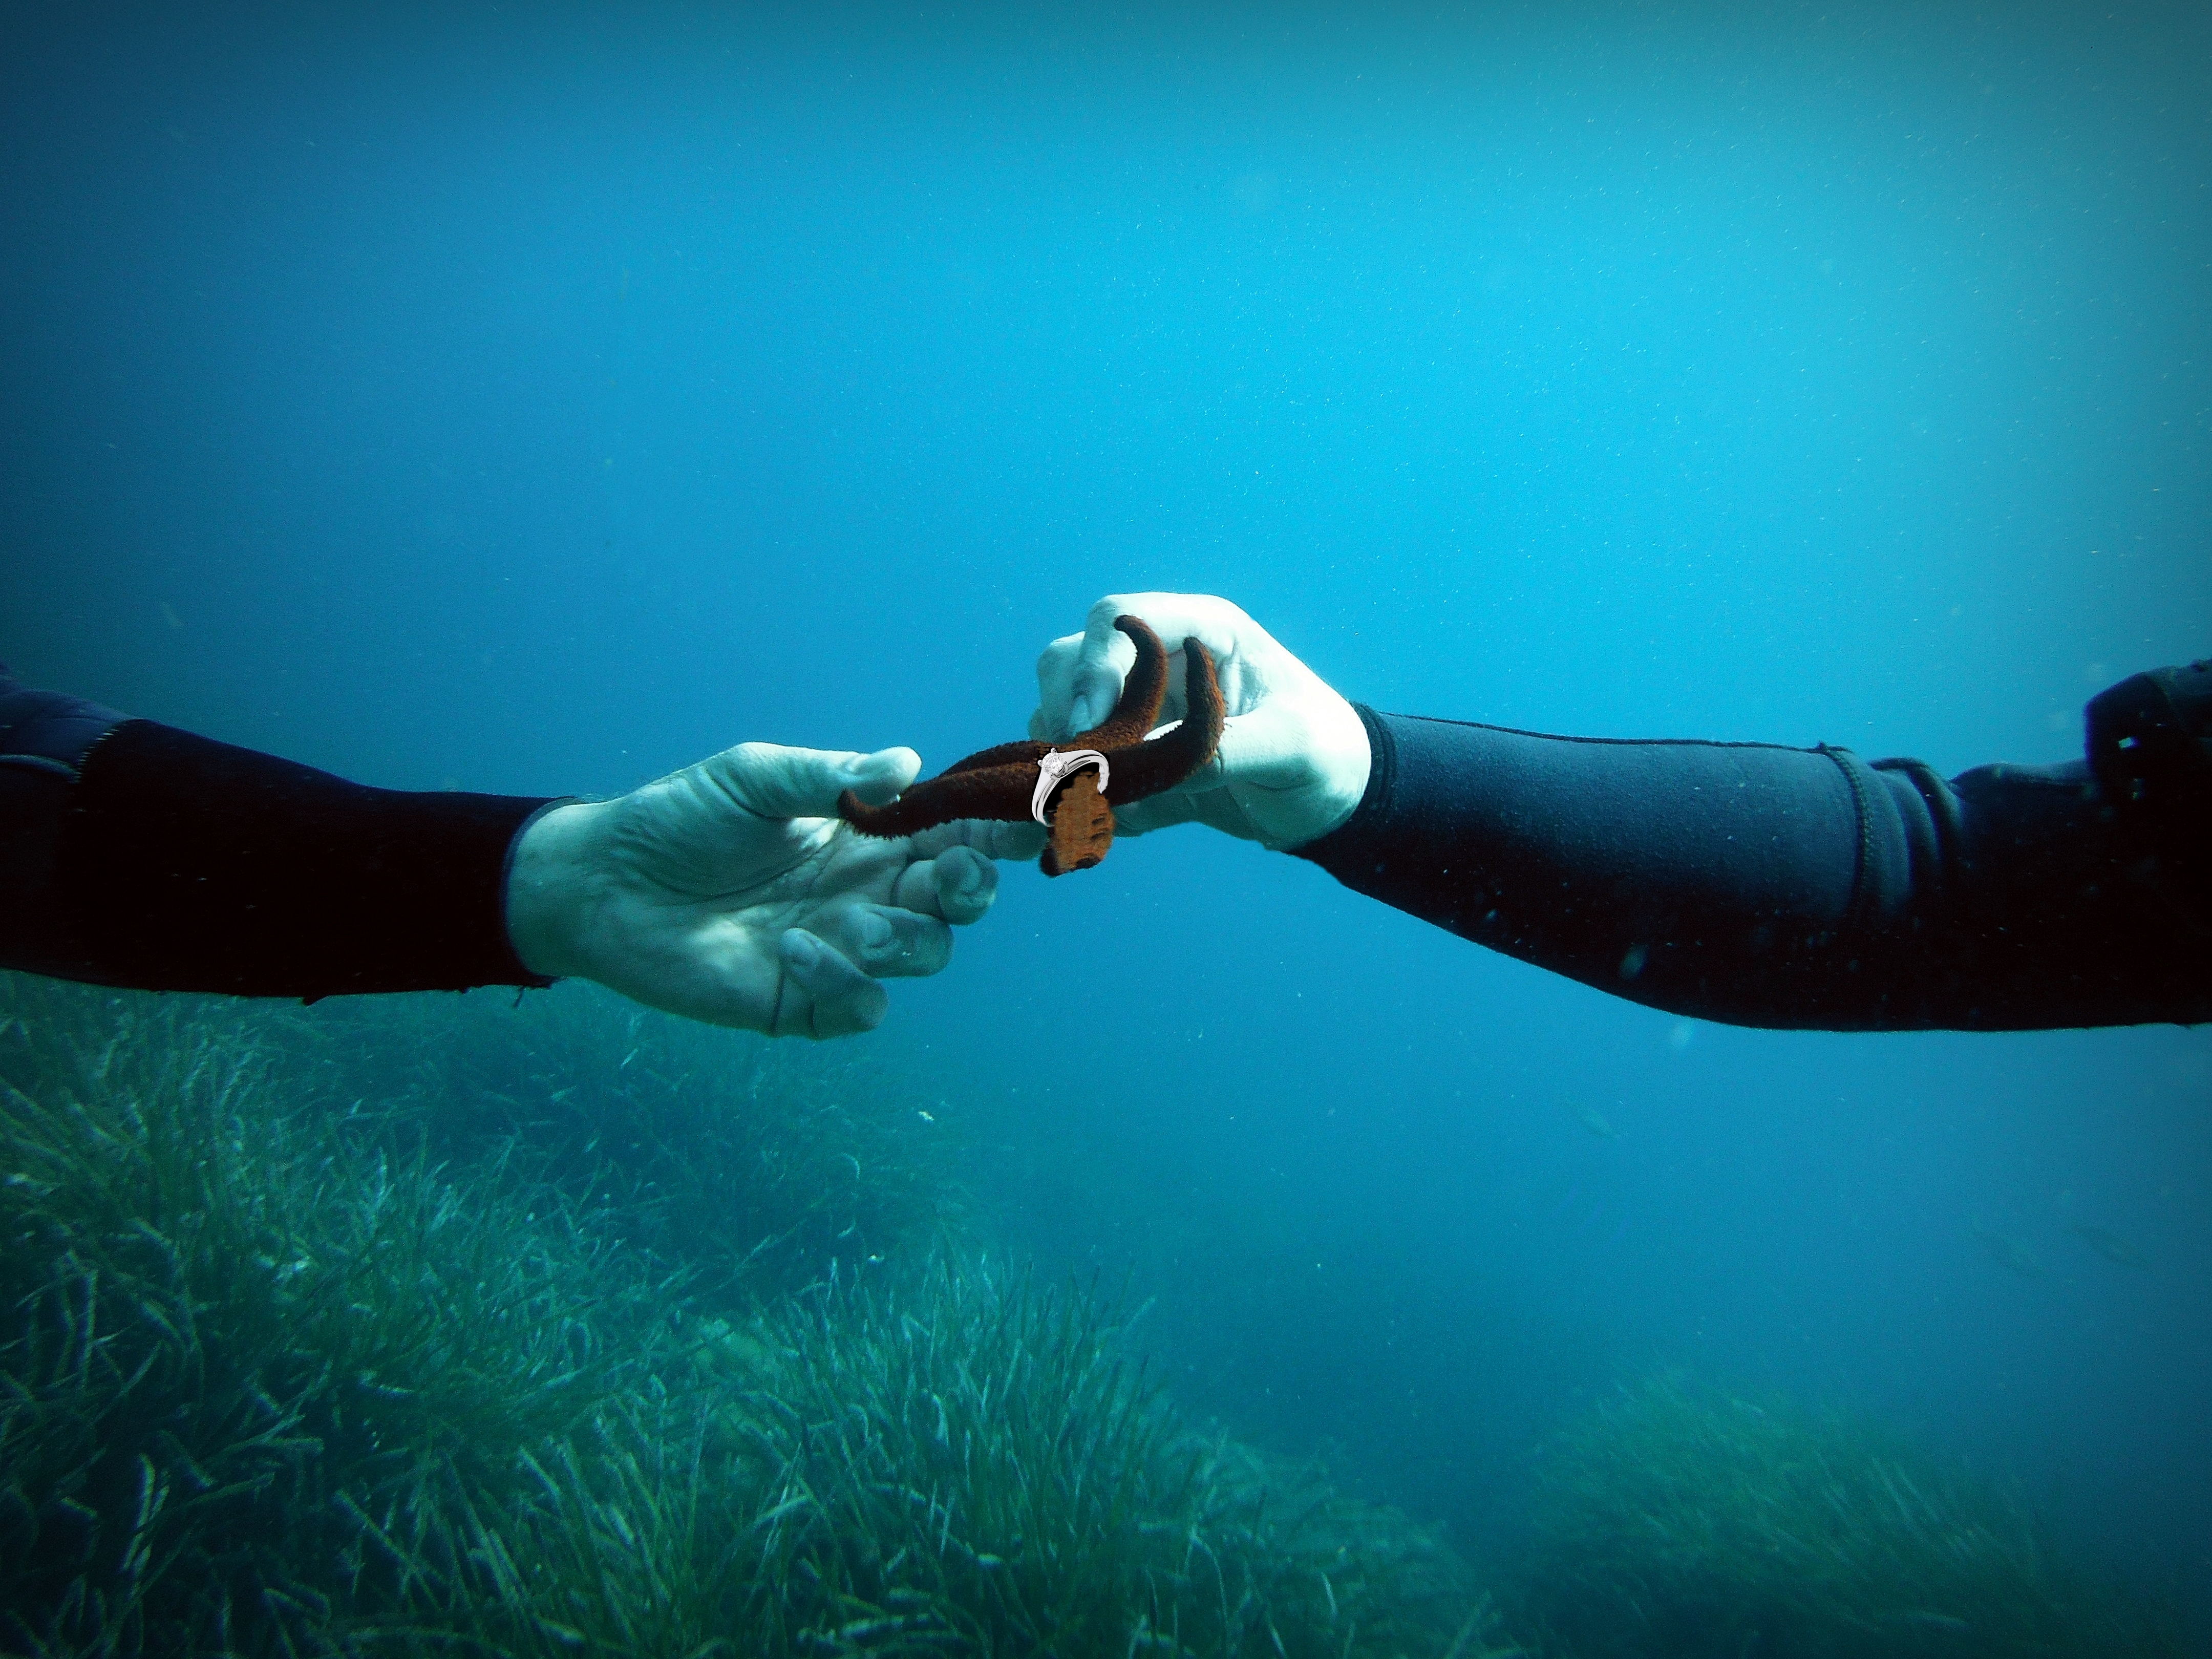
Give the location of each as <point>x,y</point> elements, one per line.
<point>1605,743</point>
<point>1898,853</point>
<point>1860,906</point>
<point>1934,843</point>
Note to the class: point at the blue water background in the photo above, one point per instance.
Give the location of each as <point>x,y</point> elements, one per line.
<point>534,399</point>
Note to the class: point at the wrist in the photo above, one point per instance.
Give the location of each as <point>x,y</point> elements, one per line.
<point>1338,761</point>
<point>1348,764</point>
<point>552,886</point>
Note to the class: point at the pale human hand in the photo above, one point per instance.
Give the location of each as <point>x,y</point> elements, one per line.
<point>731,892</point>
<point>1293,760</point>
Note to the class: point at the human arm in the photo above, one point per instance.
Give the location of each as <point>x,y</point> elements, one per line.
<point>133,854</point>
<point>1744,883</point>
<point>1761,885</point>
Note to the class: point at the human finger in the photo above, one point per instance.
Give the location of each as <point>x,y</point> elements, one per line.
<point>1056,671</point>
<point>957,885</point>
<point>886,942</point>
<point>1079,677</point>
<point>1102,660</point>
<point>777,781</point>
<point>988,836</point>
<point>823,994</point>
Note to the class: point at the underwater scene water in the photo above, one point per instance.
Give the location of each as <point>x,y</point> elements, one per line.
<point>1211,1260</point>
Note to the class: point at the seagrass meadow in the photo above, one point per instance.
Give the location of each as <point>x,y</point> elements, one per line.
<point>1678,1518</point>
<point>444,1325</point>
<point>452,1325</point>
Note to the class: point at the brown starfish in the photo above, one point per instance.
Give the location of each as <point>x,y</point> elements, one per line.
<point>1000,783</point>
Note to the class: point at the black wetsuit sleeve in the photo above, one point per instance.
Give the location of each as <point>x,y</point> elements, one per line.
<point>132,854</point>
<point>1784,887</point>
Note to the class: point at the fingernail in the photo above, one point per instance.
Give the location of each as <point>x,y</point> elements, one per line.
<point>875,931</point>
<point>799,950</point>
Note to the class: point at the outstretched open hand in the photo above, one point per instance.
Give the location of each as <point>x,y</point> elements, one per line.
<point>729,892</point>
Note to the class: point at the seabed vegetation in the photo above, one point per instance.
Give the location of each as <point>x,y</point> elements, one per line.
<point>461,1326</point>
<point>446,1326</point>
<point>1679,1521</point>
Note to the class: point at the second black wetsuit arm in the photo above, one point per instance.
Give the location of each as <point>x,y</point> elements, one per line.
<point>1771,886</point>
<point>132,854</point>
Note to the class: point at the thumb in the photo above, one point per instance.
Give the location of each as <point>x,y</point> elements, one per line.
<point>779,782</point>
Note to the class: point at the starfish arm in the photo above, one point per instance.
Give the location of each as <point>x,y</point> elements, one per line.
<point>998,783</point>
<point>1005,754</point>
<point>999,792</point>
<point>1146,768</point>
<point>1138,709</point>
<point>1082,828</point>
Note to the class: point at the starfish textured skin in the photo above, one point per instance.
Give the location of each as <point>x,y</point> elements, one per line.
<point>998,783</point>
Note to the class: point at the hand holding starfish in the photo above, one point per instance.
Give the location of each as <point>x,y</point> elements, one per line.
<point>1001,783</point>
<point>1293,761</point>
